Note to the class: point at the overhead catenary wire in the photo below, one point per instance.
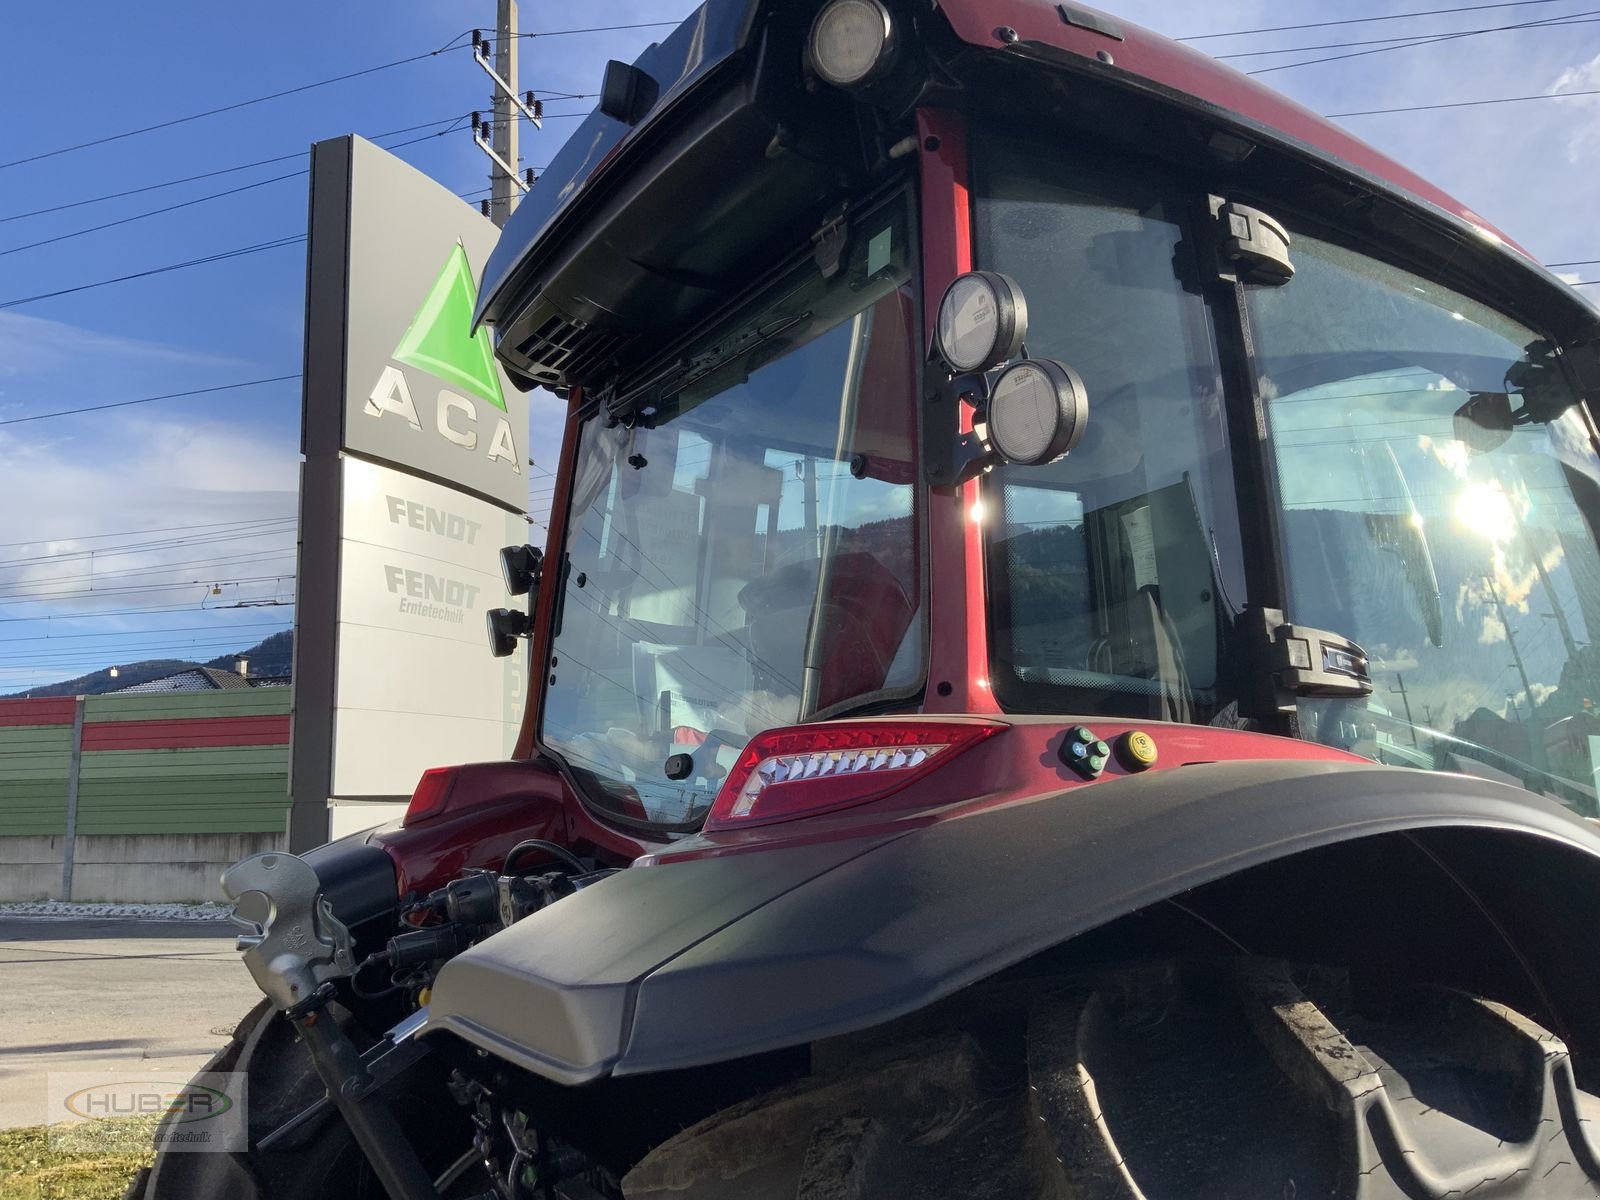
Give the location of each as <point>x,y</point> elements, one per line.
<point>84,537</point>
<point>117,576</point>
<point>212,627</point>
<point>199,580</point>
<point>102,614</point>
<point>252,529</point>
<point>210,643</point>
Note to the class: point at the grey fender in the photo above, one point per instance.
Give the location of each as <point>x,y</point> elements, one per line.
<point>695,962</point>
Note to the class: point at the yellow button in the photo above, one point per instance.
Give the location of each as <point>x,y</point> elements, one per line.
<point>1137,750</point>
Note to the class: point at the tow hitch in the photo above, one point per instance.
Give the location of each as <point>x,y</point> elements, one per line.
<point>294,953</point>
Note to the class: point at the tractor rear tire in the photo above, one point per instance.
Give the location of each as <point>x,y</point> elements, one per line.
<point>320,1160</point>
<point>1172,1081</point>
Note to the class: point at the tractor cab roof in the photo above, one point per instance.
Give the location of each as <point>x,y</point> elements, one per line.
<point>682,151</point>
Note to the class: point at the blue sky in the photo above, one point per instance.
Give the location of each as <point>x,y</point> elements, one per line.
<point>228,460</point>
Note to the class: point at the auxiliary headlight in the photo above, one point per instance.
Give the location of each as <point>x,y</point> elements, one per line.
<point>852,42</point>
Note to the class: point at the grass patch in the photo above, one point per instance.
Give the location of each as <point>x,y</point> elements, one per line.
<point>30,1169</point>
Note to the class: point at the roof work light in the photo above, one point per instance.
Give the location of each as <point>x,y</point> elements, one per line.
<point>852,42</point>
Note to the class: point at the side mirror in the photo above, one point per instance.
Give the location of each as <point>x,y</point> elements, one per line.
<point>1484,422</point>
<point>505,627</point>
<point>520,565</point>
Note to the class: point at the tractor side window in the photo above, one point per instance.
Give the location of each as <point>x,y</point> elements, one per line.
<point>743,549</point>
<point>1440,496</point>
<point>1110,571</point>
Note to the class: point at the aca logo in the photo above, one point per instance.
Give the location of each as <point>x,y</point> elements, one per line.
<point>440,341</point>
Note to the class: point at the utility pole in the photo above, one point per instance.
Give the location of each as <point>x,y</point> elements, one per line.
<point>497,137</point>
<point>503,201</point>
<point>1405,700</point>
<point>1536,752</point>
<point>1511,641</point>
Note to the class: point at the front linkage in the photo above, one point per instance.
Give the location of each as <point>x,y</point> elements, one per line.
<point>294,953</point>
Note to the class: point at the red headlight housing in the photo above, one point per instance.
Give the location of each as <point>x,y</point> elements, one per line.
<point>805,770</point>
<point>431,797</point>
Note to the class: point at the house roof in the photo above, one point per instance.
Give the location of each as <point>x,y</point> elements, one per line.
<point>195,679</point>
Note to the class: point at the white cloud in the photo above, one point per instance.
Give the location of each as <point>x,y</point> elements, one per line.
<point>37,345</point>
<point>1581,109</point>
<point>142,472</point>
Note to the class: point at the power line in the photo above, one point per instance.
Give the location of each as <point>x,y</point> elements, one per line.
<point>1582,262</point>
<point>305,87</point>
<point>1373,112</point>
<point>238,104</point>
<point>1424,41</point>
<point>609,29</point>
<point>256,248</point>
<point>221,387</point>
<point>1427,12</point>
<point>154,212</point>
<point>1554,23</point>
<point>298,155</point>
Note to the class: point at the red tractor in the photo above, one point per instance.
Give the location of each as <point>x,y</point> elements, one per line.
<point>1031,501</point>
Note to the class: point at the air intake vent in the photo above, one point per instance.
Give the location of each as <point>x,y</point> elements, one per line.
<point>567,348</point>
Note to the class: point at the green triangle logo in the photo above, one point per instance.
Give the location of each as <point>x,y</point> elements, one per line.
<point>439,340</point>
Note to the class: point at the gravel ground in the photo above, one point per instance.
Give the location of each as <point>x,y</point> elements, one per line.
<point>142,912</point>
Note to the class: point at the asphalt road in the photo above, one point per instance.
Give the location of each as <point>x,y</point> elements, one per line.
<point>156,998</point>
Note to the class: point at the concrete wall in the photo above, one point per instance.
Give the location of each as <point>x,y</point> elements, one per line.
<point>162,868</point>
<point>30,867</point>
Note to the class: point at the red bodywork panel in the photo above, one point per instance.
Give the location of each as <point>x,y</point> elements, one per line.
<point>1177,67</point>
<point>958,635</point>
<point>1020,764</point>
<point>491,807</point>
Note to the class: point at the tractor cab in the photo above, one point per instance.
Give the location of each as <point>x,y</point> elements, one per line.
<point>922,387</point>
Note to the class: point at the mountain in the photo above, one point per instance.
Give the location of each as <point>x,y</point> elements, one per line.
<point>272,655</point>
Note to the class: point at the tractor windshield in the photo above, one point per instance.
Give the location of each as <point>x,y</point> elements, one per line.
<point>1436,485</point>
<point>743,549</point>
